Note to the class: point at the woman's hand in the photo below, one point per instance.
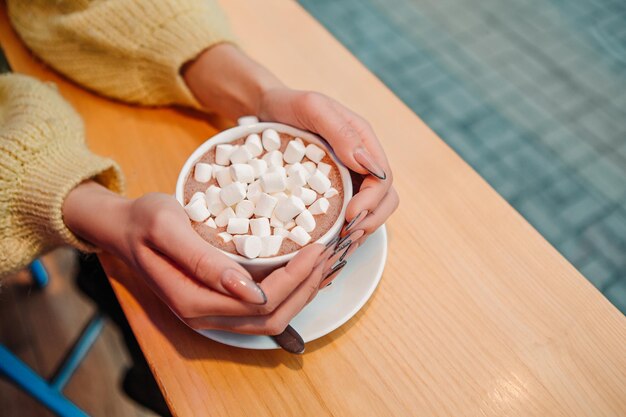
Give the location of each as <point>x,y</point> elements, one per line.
<point>205,288</point>
<point>227,81</point>
<point>354,142</point>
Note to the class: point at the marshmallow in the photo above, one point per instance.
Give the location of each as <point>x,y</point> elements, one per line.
<point>320,206</point>
<point>307,195</point>
<point>253,143</point>
<point>306,221</point>
<point>293,168</point>
<point>213,200</point>
<point>259,167</point>
<point>226,237</point>
<point>294,152</point>
<point>222,154</point>
<point>274,222</point>
<point>242,173</point>
<point>298,179</point>
<point>280,196</point>
<point>211,223</point>
<point>247,245</point>
<point>237,226</point>
<point>280,170</point>
<point>299,235</point>
<point>244,209</point>
<point>197,194</point>
<point>324,168</point>
<point>273,182</point>
<point>221,220</point>
<point>279,231</point>
<point>310,167</point>
<point>319,182</point>
<point>270,245</point>
<point>314,153</point>
<point>197,210</point>
<point>233,193</point>
<point>216,168</point>
<point>288,208</point>
<point>254,191</point>
<point>202,172</point>
<point>247,120</point>
<point>273,158</point>
<point>299,140</point>
<point>331,192</point>
<point>241,155</point>
<point>223,177</point>
<point>260,227</point>
<point>271,140</point>
<point>265,205</point>
<point>289,225</point>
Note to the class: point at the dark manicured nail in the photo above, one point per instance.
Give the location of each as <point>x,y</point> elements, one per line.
<point>350,251</point>
<point>329,284</point>
<point>335,268</point>
<point>356,219</point>
<point>242,287</point>
<point>367,161</point>
<point>290,340</point>
<point>341,247</point>
<point>345,253</point>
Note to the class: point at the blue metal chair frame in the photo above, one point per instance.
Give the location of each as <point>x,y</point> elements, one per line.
<point>50,393</point>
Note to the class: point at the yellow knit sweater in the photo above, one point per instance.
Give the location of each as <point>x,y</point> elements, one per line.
<point>129,50</point>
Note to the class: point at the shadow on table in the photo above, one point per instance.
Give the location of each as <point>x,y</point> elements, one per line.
<point>193,346</point>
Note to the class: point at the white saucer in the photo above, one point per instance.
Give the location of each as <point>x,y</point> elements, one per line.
<point>333,305</point>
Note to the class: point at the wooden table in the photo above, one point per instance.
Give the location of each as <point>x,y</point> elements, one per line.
<point>476,313</point>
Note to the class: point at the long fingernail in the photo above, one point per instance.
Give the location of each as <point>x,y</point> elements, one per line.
<point>353,236</point>
<point>367,161</point>
<point>242,287</point>
<point>341,247</point>
<point>355,220</point>
<point>335,268</point>
<point>290,340</point>
<point>349,251</point>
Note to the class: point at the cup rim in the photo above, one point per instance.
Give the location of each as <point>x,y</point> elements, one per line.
<point>237,132</point>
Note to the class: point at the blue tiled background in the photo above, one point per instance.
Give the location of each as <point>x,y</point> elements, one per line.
<point>531,93</point>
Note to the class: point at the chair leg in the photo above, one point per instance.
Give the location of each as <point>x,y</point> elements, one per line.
<point>75,356</point>
<point>37,387</point>
<point>39,273</point>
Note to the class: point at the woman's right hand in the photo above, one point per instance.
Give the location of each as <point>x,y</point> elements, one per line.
<point>204,287</point>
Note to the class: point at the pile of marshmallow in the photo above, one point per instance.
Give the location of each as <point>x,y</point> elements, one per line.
<point>264,195</point>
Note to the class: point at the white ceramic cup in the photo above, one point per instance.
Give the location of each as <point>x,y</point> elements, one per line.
<point>261,267</point>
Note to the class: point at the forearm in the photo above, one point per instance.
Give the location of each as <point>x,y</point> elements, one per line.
<point>225,80</point>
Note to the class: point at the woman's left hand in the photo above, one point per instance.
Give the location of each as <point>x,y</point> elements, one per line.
<point>353,141</point>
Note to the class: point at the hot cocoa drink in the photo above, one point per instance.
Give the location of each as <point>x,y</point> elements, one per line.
<point>264,195</point>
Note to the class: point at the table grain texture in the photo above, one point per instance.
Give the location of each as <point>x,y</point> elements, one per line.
<point>476,313</point>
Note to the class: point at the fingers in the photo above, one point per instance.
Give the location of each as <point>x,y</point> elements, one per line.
<point>283,281</point>
<point>277,321</point>
<point>364,226</point>
<point>173,237</point>
<point>349,135</point>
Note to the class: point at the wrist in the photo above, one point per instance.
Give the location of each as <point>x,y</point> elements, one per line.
<point>96,215</point>
<point>225,80</point>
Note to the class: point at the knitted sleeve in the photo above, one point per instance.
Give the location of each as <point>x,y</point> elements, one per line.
<point>130,50</point>
<point>42,157</point>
